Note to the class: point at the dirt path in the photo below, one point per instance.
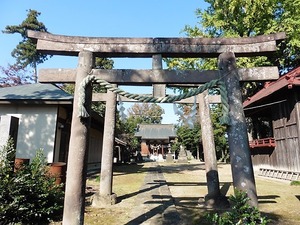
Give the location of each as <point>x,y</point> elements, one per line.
<point>169,193</point>
<point>154,203</point>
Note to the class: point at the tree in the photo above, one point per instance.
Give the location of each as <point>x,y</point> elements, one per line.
<point>248,18</point>
<point>25,52</point>
<point>189,138</point>
<point>28,195</point>
<point>236,18</point>
<point>104,63</point>
<point>146,113</point>
<point>220,136</point>
<point>13,76</point>
<point>251,18</point>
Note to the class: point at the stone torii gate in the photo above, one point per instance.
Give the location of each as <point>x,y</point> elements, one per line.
<point>86,48</point>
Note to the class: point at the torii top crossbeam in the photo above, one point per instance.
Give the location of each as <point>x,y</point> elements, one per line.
<point>146,47</point>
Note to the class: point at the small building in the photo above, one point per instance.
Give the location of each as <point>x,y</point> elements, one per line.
<point>155,139</point>
<point>275,123</point>
<point>45,113</point>
<point>121,152</point>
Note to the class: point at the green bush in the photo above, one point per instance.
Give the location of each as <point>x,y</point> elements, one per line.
<point>29,195</point>
<point>295,183</point>
<point>241,212</point>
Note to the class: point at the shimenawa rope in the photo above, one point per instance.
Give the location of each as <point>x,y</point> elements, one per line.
<point>150,99</point>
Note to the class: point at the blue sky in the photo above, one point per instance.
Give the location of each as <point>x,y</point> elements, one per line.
<point>101,18</point>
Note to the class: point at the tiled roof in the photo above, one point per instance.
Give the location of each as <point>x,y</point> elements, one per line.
<point>289,80</point>
<point>34,92</point>
<point>156,131</point>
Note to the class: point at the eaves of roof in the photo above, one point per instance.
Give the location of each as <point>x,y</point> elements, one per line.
<point>288,80</point>
<point>34,94</point>
<point>120,142</point>
<point>156,131</point>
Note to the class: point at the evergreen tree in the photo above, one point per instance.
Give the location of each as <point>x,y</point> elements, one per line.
<point>25,52</point>
<point>190,138</point>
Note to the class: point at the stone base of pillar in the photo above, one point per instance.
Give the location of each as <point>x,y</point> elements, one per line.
<point>214,202</point>
<point>100,201</point>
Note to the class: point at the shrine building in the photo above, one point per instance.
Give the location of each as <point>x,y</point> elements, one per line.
<point>155,140</point>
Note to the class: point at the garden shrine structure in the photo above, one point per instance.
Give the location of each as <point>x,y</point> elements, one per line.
<point>227,78</point>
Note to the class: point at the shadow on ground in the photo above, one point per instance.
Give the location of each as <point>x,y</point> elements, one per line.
<point>158,205</point>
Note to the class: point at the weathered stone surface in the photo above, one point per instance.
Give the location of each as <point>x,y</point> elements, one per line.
<point>169,158</point>
<point>102,201</point>
<point>208,143</point>
<point>108,145</point>
<point>241,164</point>
<point>182,156</point>
<point>159,90</point>
<point>149,77</point>
<point>79,145</point>
<point>146,47</point>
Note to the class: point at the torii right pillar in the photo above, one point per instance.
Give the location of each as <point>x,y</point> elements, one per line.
<point>240,157</point>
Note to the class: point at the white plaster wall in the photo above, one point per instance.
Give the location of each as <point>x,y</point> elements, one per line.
<point>37,126</point>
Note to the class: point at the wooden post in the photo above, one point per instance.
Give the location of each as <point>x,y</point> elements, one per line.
<point>214,197</point>
<point>105,196</point>
<point>78,149</point>
<point>240,157</point>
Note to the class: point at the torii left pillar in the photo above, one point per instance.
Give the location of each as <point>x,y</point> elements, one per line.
<point>78,148</point>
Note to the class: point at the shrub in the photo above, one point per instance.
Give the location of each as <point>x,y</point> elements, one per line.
<point>295,183</point>
<point>29,195</point>
<point>241,212</point>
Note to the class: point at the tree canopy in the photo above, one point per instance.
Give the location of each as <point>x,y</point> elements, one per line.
<point>14,76</point>
<point>146,113</point>
<point>25,52</point>
<point>237,18</point>
<point>190,138</point>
